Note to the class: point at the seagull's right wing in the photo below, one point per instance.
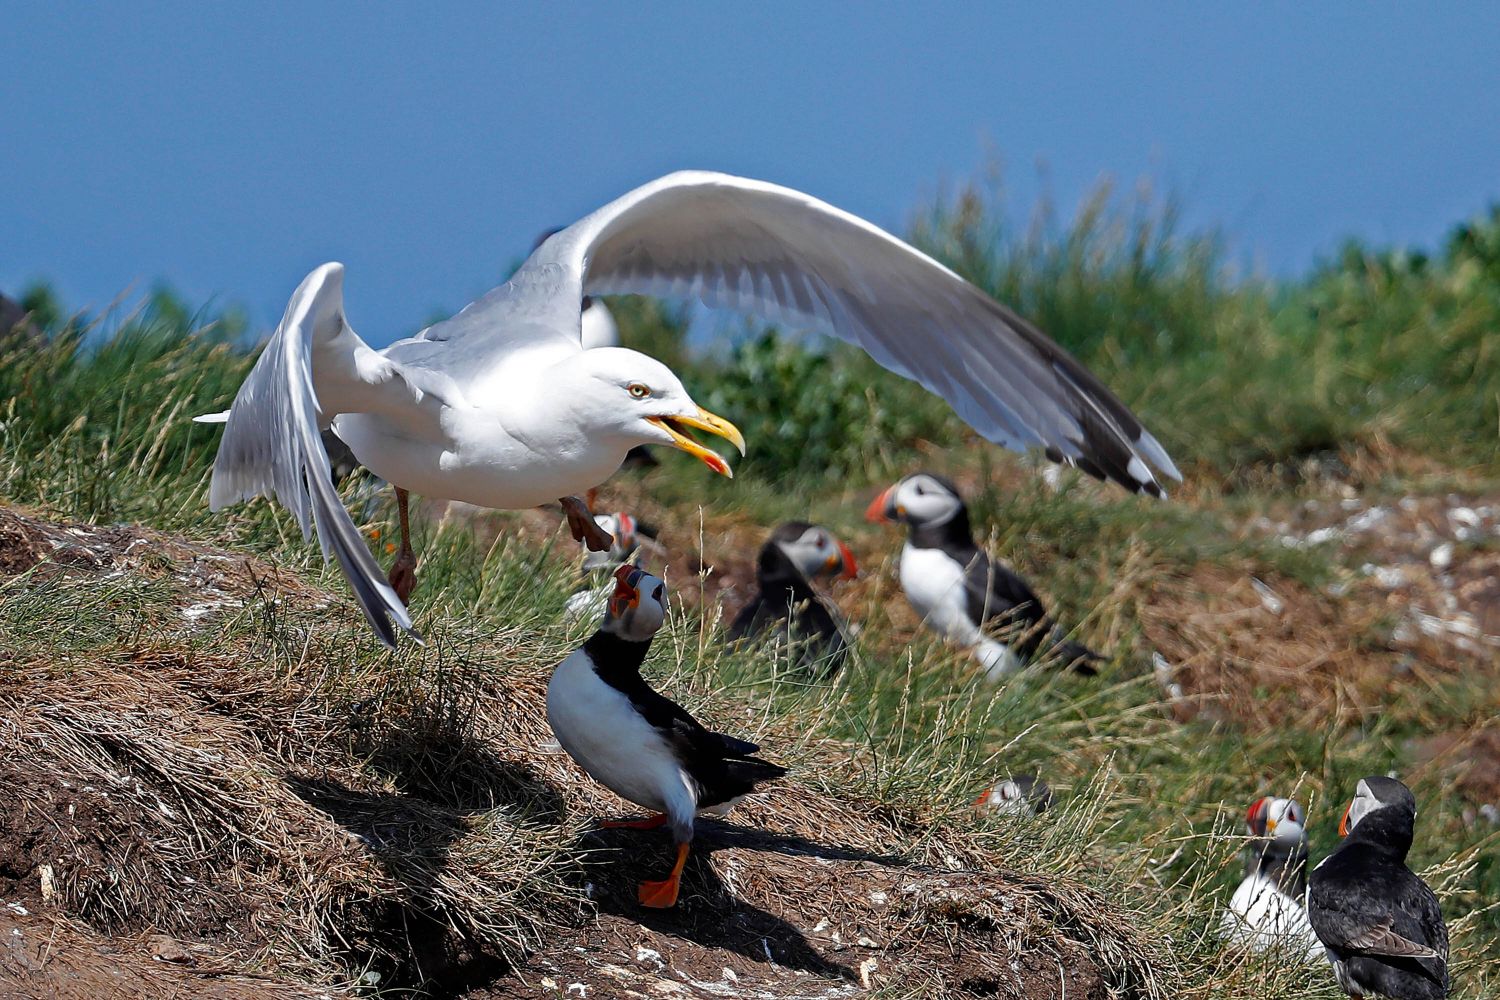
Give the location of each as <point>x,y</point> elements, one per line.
<point>784,255</point>
<point>313,367</point>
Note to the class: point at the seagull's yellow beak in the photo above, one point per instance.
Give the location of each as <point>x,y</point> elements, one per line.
<point>703,421</point>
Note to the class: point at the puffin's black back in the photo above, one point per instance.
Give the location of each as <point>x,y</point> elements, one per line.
<point>1364,887</point>
<point>785,599</point>
<point>723,767</point>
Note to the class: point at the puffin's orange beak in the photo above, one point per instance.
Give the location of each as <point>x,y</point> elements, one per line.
<point>1344,823</point>
<point>879,507</point>
<point>851,568</point>
<point>626,596</point>
<point>984,797</point>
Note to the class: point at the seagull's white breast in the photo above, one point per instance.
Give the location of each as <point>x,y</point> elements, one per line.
<point>509,456</point>
<point>609,739</point>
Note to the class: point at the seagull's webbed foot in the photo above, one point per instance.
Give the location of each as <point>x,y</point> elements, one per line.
<point>663,894</point>
<point>403,575</point>
<point>581,523</point>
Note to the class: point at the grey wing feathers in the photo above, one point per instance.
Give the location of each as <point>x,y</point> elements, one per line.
<point>757,247</point>
<point>272,446</point>
<point>1382,940</point>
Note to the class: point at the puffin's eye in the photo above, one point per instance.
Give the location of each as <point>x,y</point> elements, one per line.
<point>638,390</point>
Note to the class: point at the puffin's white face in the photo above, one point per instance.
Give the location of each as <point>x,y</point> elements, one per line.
<point>622,527</point>
<point>637,399</point>
<point>1363,804</point>
<point>1005,799</point>
<point>817,553</point>
<point>638,605</point>
<point>918,499</point>
<point>1281,820</point>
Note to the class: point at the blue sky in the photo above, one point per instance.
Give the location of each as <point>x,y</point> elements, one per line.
<point>228,149</point>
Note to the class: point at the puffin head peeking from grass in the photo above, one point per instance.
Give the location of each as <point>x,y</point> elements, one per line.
<point>643,747</point>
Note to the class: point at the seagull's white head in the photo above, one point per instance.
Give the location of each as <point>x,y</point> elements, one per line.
<point>638,400</point>
<point>638,605</point>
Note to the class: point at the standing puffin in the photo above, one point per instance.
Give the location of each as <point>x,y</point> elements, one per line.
<point>794,555</point>
<point>1266,911</point>
<point>960,592</point>
<point>594,587</point>
<point>638,744</point>
<point>1380,923</point>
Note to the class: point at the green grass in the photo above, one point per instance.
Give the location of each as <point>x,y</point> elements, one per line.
<point>1244,381</point>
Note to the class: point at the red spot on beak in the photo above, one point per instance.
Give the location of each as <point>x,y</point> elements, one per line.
<point>851,568</point>
<point>1256,807</point>
<point>984,798</point>
<point>1344,823</point>
<point>876,512</point>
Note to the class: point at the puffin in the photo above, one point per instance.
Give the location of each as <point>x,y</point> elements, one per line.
<point>502,406</point>
<point>594,588</point>
<point>1380,923</point>
<point>1019,795</point>
<point>1266,911</point>
<point>793,556</point>
<point>960,592</point>
<point>640,745</point>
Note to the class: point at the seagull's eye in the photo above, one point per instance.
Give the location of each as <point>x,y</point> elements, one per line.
<point>638,390</point>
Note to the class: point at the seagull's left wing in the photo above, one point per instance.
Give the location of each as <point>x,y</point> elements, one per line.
<point>770,250</point>
<point>313,367</point>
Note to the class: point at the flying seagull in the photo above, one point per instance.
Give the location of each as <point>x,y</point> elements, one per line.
<point>501,406</point>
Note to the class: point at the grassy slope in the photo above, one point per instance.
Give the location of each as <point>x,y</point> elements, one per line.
<point>1381,363</point>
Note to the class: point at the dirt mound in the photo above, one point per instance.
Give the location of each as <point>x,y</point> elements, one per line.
<point>211,787</point>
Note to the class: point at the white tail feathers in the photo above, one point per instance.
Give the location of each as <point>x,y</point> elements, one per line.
<point>212,418</point>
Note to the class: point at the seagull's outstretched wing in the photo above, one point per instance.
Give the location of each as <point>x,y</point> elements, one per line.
<point>312,368</point>
<point>770,250</point>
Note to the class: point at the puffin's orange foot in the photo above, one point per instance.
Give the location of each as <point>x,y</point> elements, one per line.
<point>583,526</point>
<point>661,895</point>
<point>649,823</point>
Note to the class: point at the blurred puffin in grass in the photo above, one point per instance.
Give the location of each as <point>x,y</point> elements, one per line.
<point>963,594</point>
<point>1266,911</point>
<point>785,603</point>
<point>596,582</point>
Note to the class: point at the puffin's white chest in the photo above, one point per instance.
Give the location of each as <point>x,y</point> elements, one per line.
<point>1263,917</point>
<point>603,732</point>
<point>934,584</point>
